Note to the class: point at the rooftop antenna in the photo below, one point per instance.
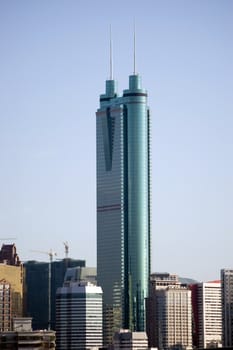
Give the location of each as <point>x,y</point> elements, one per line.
<point>66,249</point>
<point>134,50</point>
<point>111,68</point>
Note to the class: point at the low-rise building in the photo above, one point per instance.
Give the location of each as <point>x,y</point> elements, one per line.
<point>23,338</point>
<point>125,339</point>
<point>33,340</point>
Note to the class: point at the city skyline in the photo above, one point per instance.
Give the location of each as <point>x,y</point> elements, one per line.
<point>54,60</point>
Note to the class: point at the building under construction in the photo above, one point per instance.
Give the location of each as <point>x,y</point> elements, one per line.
<point>36,287</point>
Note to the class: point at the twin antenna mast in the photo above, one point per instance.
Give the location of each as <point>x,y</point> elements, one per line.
<point>134,50</point>
<point>134,53</point>
<point>111,67</point>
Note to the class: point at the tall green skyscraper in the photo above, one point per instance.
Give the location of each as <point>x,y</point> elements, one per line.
<point>123,205</point>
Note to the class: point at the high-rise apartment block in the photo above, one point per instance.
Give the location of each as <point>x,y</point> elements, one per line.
<point>169,313</point>
<point>5,306</point>
<point>227,306</point>
<point>123,205</point>
<point>79,323</point>
<point>207,314</point>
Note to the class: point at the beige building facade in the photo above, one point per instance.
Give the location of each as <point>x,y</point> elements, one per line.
<point>13,275</point>
<point>169,313</point>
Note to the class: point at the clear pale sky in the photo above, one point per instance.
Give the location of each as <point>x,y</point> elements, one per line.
<point>54,60</point>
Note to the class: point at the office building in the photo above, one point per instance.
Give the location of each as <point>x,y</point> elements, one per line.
<point>125,339</point>
<point>36,286</point>
<point>207,314</point>
<point>227,306</point>
<point>79,323</point>
<point>123,205</point>
<point>169,313</point>
<point>11,277</point>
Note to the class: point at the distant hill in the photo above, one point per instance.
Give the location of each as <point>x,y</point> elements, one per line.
<point>185,280</point>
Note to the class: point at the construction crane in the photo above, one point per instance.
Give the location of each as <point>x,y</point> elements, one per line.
<point>7,239</point>
<point>51,254</point>
<point>66,249</point>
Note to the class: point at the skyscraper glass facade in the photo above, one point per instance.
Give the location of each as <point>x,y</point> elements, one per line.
<point>36,275</point>
<point>123,203</point>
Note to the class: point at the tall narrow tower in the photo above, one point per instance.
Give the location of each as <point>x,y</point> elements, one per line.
<point>123,204</point>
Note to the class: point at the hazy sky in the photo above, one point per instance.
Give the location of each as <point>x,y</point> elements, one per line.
<point>54,60</point>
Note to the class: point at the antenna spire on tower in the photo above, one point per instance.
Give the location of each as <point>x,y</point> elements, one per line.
<point>134,50</point>
<point>111,67</point>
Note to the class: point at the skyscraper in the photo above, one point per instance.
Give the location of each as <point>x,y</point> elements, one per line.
<point>78,316</point>
<point>123,204</point>
<point>227,306</point>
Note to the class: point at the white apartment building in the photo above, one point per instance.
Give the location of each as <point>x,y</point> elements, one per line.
<point>227,306</point>
<point>79,316</point>
<point>209,314</point>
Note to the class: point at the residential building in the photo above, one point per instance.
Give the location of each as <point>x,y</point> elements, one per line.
<point>157,281</point>
<point>169,313</point>
<point>207,314</point>
<point>5,306</point>
<point>11,277</point>
<point>123,205</point>
<point>36,287</point>
<point>227,306</point>
<point>79,323</point>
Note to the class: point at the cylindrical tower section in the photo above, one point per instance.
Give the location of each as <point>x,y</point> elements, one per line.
<point>110,93</point>
<point>138,199</point>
